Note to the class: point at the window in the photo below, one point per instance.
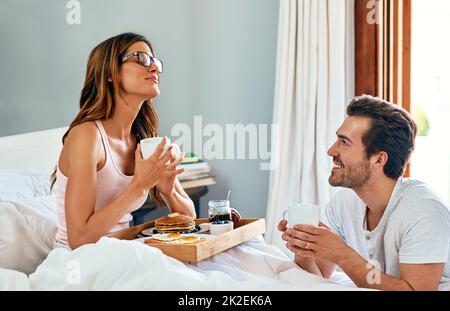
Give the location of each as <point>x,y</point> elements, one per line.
<point>430,93</point>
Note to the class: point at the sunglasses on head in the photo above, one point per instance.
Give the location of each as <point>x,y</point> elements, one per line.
<point>144,59</point>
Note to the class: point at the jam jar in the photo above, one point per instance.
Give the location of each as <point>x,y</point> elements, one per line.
<point>219,210</point>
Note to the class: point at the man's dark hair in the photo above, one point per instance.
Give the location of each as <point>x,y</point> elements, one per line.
<point>392,131</point>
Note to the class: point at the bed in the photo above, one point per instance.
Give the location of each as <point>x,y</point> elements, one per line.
<point>28,225</point>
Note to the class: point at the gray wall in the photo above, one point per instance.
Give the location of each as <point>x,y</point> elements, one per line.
<point>219,58</point>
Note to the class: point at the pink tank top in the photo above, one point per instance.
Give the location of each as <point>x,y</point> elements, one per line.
<point>110,183</point>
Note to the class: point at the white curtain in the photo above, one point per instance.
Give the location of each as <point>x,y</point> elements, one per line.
<point>314,82</point>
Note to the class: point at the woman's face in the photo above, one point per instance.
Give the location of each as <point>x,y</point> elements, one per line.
<point>137,80</point>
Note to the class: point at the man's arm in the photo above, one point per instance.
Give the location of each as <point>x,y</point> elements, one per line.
<point>319,267</point>
<point>423,277</point>
<point>320,243</point>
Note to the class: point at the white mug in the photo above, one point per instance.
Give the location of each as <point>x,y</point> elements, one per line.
<point>302,214</point>
<point>149,146</point>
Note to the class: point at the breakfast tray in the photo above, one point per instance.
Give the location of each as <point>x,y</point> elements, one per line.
<point>246,229</point>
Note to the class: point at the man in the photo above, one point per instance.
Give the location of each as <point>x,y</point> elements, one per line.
<point>385,232</point>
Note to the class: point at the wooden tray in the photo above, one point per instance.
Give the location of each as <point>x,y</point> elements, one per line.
<point>247,229</point>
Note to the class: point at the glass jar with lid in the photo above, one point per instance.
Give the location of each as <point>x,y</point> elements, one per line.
<point>219,210</point>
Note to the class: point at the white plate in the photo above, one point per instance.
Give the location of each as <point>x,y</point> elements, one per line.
<point>203,228</point>
<point>199,235</point>
<point>148,232</point>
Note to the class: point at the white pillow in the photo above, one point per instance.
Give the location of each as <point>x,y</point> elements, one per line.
<point>17,185</point>
<point>27,232</point>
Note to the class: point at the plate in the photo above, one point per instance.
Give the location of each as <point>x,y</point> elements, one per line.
<point>199,235</point>
<point>198,229</point>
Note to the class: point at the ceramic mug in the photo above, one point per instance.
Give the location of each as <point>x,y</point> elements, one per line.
<point>302,214</point>
<point>149,146</point>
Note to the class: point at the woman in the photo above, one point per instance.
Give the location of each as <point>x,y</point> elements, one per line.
<point>101,176</point>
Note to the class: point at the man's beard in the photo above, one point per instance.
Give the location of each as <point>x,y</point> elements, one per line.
<point>351,176</point>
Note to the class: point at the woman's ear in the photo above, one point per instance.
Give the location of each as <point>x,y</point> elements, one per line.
<point>109,79</point>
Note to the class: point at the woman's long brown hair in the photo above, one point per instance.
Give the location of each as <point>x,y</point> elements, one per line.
<point>97,100</point>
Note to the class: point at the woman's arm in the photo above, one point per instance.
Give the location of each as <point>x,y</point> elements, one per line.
<point>84,225</point>
<point>84,149</point>
<point>178,201</point>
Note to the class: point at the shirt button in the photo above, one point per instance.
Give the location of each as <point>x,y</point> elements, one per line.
<point>367,237</point>
<point>370,256</point>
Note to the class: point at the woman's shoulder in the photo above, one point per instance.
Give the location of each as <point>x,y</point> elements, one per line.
<point>84,131</point>
<point>82,145</point>
<point>84,135</point>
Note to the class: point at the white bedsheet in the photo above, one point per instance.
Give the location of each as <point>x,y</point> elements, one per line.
<point>112,264</point>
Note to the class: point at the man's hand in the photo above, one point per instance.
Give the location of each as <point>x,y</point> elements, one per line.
<point>316,266</point>
<point>315,242</point>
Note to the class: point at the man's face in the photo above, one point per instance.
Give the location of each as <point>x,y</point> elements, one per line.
<point>351,165</point>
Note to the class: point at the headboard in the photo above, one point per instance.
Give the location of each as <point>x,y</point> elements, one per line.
<point>35,151</point>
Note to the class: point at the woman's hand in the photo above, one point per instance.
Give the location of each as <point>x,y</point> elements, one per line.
<point>148,173</point>
<point>166,185</point>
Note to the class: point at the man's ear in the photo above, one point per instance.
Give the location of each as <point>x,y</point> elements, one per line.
<point>380,158</point>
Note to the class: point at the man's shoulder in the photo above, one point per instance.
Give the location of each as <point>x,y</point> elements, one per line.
<point>413,191</point>
<point>416,196</point>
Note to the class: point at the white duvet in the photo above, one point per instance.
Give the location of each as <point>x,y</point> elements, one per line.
<point>113,264</point>
<point>27,261</point>
<point>27,230</point>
